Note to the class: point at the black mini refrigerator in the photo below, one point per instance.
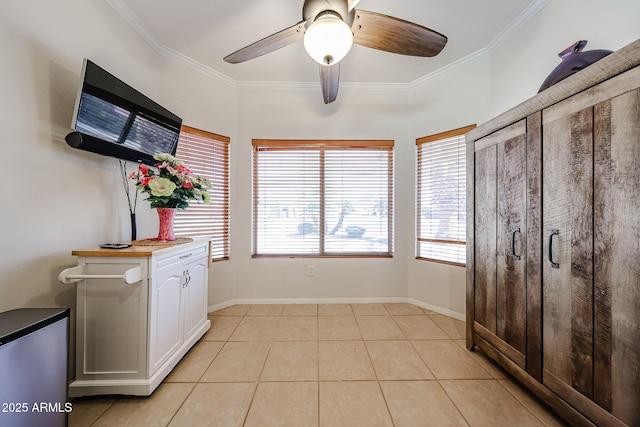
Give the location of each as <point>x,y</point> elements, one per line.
<point>33,367</point>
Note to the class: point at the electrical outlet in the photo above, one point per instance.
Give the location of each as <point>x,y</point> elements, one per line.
<point>311,270</point>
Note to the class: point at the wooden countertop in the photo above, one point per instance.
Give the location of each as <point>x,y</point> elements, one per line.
<point>133,251</point>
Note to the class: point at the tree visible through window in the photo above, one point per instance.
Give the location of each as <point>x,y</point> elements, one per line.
<point>441,197</point>
<point>323,198</point>
<point>207,154</point>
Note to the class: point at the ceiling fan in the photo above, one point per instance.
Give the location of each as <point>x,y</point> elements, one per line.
<point>329,29</point>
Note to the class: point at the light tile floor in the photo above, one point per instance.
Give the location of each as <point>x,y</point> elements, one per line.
<point>327,365</point>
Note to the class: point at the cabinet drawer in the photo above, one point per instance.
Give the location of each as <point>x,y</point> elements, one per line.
<point>182,256</point>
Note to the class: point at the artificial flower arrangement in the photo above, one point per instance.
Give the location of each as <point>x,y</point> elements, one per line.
<point>172,185</point>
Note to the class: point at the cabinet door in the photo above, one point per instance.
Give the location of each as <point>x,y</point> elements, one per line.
<point>165,315</point>
<point>568,270</point>
<point>195,297</point>
<point>617,256</point>
<point>591,302</point>
<point>500,244</point>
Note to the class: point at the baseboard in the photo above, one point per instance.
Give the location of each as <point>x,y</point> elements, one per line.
<point>437,309</point>
<point>366,300</point>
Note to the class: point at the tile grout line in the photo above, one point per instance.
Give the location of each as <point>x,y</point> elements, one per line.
<point>257,383</point>
<point>318,363</point>
<point>455,405</point>
<point>521,402</point>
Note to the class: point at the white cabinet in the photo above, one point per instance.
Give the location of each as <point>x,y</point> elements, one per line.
<point>178,302</point>
<point>130,336</point>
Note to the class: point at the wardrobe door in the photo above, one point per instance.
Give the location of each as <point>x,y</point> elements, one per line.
<point>591,273</point>
<point>617,256</point>
<point>568,266</point>
<point>500,243</point>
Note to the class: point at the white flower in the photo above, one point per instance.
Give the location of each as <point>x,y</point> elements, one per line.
<point>161,187</point>
<point>164,157</point>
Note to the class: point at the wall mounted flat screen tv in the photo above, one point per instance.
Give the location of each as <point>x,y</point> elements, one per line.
<point>114,119</point>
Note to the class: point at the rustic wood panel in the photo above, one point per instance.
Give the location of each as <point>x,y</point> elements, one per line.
<point>514,355</point>
<point>511,289</point>
<point>581,260</point>
<point>617,272</point>
<point>580,402</point>
<point>603,219</point>
<point>600,93</point>
<point>485,238</point>
<point>470,267</point>
<point>513,131</point>
<point>534,246</point>
<point>568,290</point>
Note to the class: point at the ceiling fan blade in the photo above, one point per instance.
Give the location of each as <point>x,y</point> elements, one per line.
<point>268,44</point>
<point>329,81</point>
<point>395,35</point>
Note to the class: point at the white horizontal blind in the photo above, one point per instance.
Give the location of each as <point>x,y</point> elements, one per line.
<point>441,197</point>
<point>206,154</point>
<point>323,198</point>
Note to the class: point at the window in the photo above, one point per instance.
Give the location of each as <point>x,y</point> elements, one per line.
<point>206,154</point>
<point>322,198</point>
<point>441,197</point>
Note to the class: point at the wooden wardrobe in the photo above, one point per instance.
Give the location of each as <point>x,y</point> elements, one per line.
<point>553,242</point>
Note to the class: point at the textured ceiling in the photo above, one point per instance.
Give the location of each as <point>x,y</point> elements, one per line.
<point>208,30</point>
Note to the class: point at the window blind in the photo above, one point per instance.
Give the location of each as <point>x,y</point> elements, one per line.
<point>323,198</point>
<point>206,154</point>
<point>441,197</point>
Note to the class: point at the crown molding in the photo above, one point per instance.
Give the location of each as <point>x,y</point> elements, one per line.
<point>132,19</point>
<point>197,66</point>
<point>520,21</point>
<point>135,23</point>
<point>450,68</point>
<point>143,31</point>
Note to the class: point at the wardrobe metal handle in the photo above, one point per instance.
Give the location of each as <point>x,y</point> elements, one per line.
<point>513,243</point>
<point>553,233</point>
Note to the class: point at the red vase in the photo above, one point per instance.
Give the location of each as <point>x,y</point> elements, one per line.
<point>165,231</point>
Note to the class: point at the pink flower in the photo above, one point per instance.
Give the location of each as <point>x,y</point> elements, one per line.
<point>184,170</point>
<point>187,184</point>
<point>145,181</point>
<point>143,168</point>
<point>171,170</point>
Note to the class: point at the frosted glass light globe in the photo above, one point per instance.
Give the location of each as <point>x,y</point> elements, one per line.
<point>328,39</point>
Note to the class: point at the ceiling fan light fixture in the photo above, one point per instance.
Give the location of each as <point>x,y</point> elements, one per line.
<point>328,39</point>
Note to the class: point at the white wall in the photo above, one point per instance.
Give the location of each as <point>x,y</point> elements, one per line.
<point>456,99</point>
<point>298,112</point>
